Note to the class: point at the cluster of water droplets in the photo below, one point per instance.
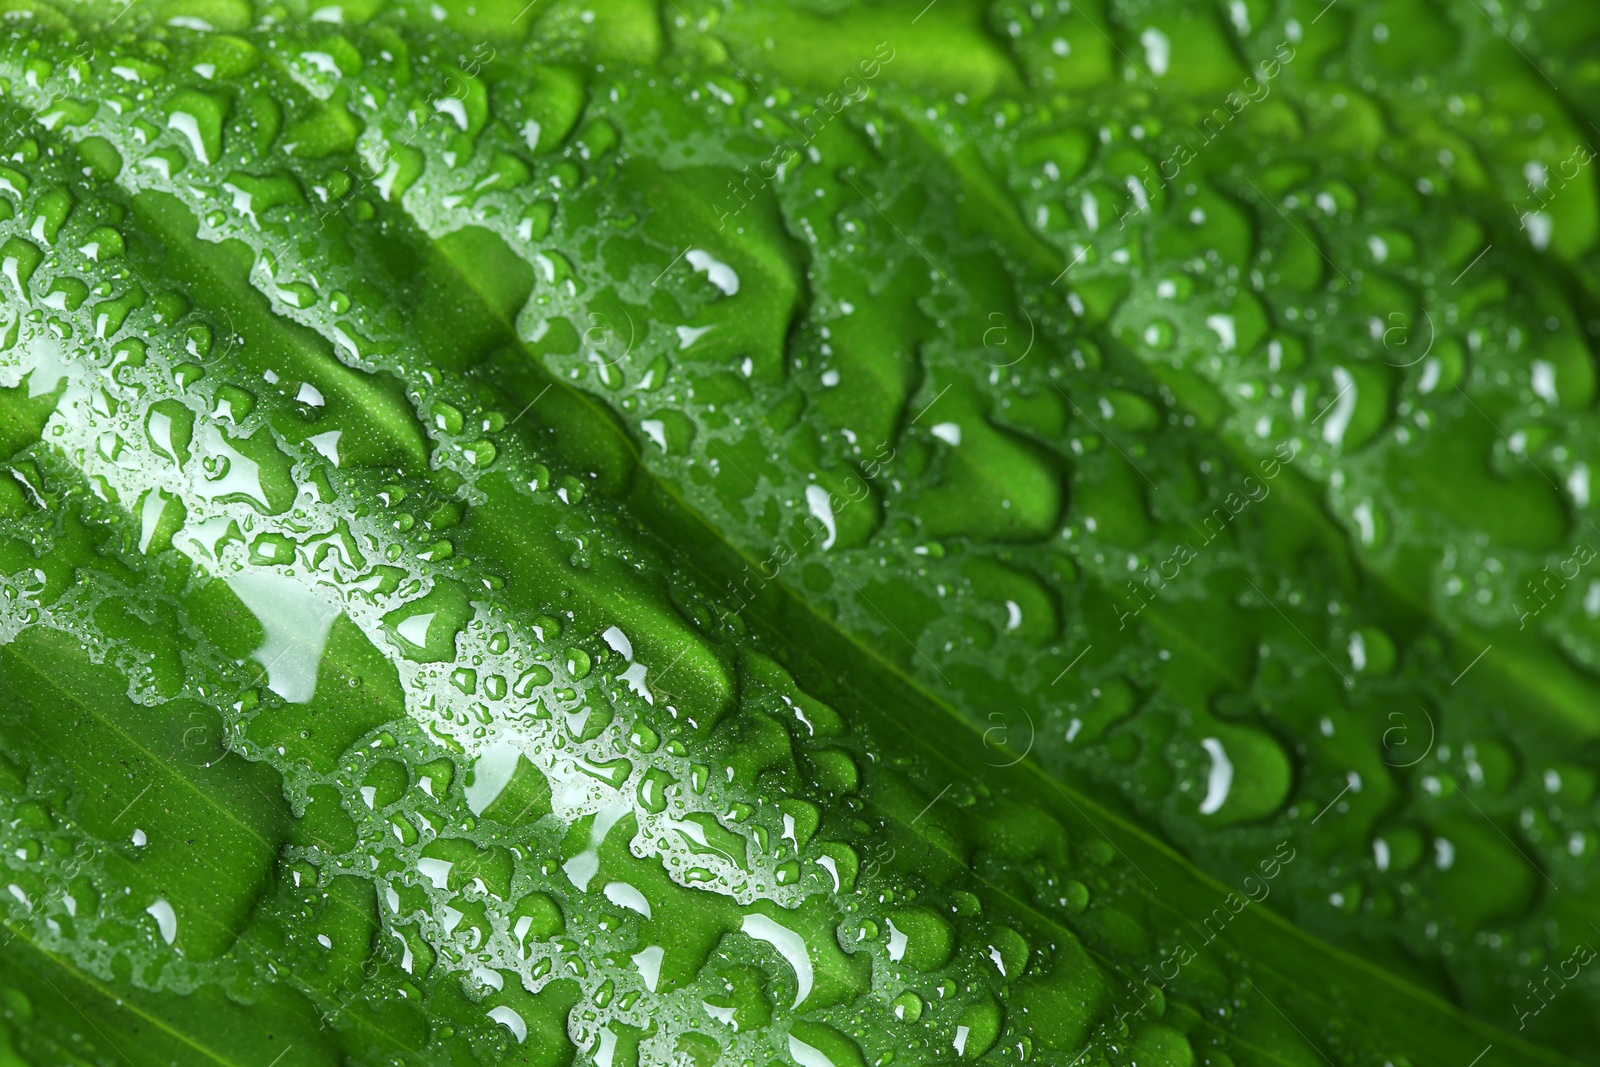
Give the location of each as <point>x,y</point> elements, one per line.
<point>760,392</point>
<point>1202,331</point>
<point>163,414</point>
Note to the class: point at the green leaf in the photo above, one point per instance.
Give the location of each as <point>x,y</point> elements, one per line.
<point>798,675</point>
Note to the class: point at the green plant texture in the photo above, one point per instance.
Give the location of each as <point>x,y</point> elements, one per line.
<point>799,533</point>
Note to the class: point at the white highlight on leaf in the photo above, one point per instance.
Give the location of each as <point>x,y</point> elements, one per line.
<point>508,1018</point>
<point>717,272</point>
<point>688,335</point>
<point>648,961</point>
<point>827,864</point>
<point>1225,329</point>
<point>636,672</point>
<point>435,871</point>
<point>189,126</point>
<point>581,868</point>
<point>166,920</point>
<point>1541,227</point>
<point>624,895</point>
<point>790,945</point>
<point>960,1043</point>
<point>897,942</point>
<point>634,676</point>
<point>818,500</point>
<point>1544,380</point>
<point>327,444</point>
<point>1220,780</point>
<point>454,108</point>
<point>297,621</point>
<point>323,62</point>
<point>619,642</point>
<point>150,512</point>
<point>1344,408</point>
<point>1358,651</point>
<point>1157,51</point>
<point>656,430</point>
<point>806,1055</point>
<point>491,774</point>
